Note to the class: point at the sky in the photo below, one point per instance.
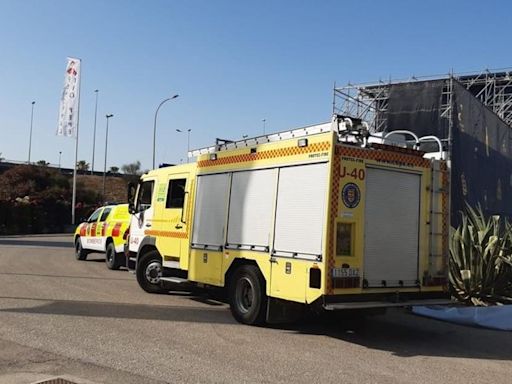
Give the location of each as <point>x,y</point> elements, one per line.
<point>233,64</point>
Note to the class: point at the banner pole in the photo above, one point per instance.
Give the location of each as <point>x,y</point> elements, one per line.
<point>73,199</point>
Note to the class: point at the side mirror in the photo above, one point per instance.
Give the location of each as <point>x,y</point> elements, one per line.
<point>131,197</point>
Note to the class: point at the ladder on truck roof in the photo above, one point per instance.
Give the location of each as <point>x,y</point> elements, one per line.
<point>223,145</point>
<point>349,130</point>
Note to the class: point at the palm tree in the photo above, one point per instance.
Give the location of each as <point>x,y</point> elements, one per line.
<point>82,165</point>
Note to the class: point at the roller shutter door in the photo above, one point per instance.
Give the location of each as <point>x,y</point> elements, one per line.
<point>300,213</point>
<point>210,212</point>
<point>251,208</point>
<point>391,228</point>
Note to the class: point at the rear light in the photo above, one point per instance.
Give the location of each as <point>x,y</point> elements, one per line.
<point>126,233</point>
<point>116,231</point>
<point>315,277</point>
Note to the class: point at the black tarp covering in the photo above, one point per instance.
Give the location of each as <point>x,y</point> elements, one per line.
<point>481,142</point>
<point>416,107</point>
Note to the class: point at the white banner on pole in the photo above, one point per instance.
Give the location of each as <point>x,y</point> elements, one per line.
<point>68,112</point>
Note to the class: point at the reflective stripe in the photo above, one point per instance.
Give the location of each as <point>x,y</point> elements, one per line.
<point>179,235</point>
<point>264,155</point>
<point>93,230</point>
<point>117,229</point>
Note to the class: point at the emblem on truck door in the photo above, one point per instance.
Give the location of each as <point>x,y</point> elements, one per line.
<point>351,195</point>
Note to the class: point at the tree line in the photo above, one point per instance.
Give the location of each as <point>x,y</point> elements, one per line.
<point>37,199</point>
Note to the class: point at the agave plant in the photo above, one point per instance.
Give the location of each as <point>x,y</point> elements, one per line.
<point>481,259</point>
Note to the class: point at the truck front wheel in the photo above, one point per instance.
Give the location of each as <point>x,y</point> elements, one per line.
<point>149,272</point>
<point>248,301</point>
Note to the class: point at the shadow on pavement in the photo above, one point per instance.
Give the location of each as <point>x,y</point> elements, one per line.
<point>407,335</point>
<point>398,332</point>
<point>127,311</point>
<point>37,243</point>
<point>106,278</point>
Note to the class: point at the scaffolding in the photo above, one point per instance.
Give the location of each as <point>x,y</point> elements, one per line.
<point>369,102</point>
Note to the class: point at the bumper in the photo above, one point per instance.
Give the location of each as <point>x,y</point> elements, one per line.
<point>384,300</point>
<point>120,248</point>
<point>131,258</point>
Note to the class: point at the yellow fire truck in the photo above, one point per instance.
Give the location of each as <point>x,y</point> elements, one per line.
<point>328,216</point>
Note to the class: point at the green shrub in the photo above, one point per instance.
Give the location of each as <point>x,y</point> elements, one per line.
<point>38,200</point>
<point>481,259</point>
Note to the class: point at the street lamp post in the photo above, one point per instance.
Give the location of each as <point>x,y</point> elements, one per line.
<point>30,137</point>
<point>154,124</point>
<point>106,146</point>
<point>60,153</point>
<point>94,134</point>
<point>264,125</point>
<point>188,140</point>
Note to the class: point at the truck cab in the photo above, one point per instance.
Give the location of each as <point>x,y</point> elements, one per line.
<point>160,219</point>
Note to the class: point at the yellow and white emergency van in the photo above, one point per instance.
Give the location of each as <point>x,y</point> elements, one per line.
<point>105,231</point>
<point>328,216</point>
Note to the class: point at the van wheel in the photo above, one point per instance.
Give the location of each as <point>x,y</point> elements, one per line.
<point>247,298</point>
<point>149,271</point>
<point>112,258</point>
<point>80,253</point>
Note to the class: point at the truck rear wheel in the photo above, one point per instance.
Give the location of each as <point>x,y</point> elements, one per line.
<point>149,271</point>
<point>247,298</point>
<point>80,253</point>
<point>112,259</point>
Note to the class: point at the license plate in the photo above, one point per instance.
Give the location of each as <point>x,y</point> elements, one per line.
<point>345,272</point>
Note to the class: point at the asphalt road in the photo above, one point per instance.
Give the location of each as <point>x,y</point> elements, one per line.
<point>63,317</point>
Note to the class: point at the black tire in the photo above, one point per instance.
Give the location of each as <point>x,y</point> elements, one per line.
<point>247,297</point>
<point>149,271</point>
<point>80,253</point>
<point>112,259</point>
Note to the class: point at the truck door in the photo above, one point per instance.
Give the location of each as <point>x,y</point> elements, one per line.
<point>171,219</point>
<point>142,219</point>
